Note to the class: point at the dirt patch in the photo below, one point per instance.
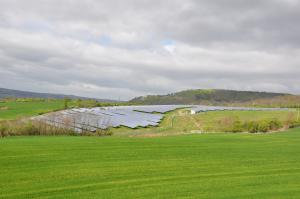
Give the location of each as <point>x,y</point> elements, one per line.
<point>3,108</point>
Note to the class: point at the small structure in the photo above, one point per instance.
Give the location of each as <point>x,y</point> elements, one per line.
<point>193,112</point>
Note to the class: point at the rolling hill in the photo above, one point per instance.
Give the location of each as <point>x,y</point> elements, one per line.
<point>203,96</point>
<point>197,96</point>
<point>8,93</point>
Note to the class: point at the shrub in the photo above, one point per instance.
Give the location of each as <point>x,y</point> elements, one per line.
<point>3,130</point>
<point>263,126</point>
<point>30,129</point>
<point>252,126</point>
<point>275,124</point>
<point>103,132</point>
<point>86,133</point>
<point>66,101</point>
<point>237,127</point>
<point>207,129</point>
<point>294,124</point>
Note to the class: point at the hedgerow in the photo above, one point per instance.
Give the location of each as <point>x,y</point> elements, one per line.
<point>29,128</point>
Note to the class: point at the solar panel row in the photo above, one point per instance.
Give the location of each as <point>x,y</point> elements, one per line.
<point>223,108</point>
<point>91,119</point>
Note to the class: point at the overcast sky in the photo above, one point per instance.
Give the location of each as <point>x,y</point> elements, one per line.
<point>128,48</point>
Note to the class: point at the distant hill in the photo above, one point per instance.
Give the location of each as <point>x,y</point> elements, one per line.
<point>203,96</point>
<point>6,93</point>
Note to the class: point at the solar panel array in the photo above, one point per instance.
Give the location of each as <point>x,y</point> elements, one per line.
<point>200,108</point>
<point>91,119</point>
<point>159,108</point>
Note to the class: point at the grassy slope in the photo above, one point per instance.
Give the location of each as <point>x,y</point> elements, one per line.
<point>202,96</point>
<point>22,109</point>
<point>214,121</point>
<point>184,122</point>
<point>190,166</point>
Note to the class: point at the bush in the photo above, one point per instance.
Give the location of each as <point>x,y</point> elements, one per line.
<point>29,129</point>
<point>103,132</point>
<point>3,130</point>
<point>237,127</point>
<point>252,126</point>
<point>294,124</point>
<point>263,126</point>
<point>275,124</point>
<point>87,133</point>
<point>18,128</point>
<point>207,129</point>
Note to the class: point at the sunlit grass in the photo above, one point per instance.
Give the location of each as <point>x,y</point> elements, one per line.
<point>181,122</point>
<point>189,166</point>
<point>16,110</point>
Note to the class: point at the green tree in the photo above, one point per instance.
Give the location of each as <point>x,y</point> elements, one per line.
<point>66,103</point>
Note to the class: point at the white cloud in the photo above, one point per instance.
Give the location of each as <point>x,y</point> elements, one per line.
<point>109,49</point>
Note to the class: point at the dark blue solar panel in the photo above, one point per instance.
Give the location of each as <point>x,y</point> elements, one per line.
<point>129,116</point>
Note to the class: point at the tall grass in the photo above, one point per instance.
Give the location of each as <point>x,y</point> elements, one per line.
<point>29,128</point>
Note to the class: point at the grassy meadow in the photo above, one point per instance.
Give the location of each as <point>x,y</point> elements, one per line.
<point>186,166</point>
<point>175,122</point>
<point>19,108</point>
<point>193,161</point>
<point>182,122</point>
<point>14,109</point>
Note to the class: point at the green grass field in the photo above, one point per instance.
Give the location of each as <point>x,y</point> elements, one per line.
<point>13,110</point>
<point>182,122</point>
<point>185,166</point>
<point>10,110</point>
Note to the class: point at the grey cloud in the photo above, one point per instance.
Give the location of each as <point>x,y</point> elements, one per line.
<point>55,46</point>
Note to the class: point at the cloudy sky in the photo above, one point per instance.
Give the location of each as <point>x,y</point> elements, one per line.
<point>127,48</point>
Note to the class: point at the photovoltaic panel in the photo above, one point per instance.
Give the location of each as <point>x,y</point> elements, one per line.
<point>92,119</point>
